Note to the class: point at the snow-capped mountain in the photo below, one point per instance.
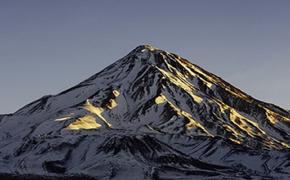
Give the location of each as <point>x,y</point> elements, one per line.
<point>150,115</point>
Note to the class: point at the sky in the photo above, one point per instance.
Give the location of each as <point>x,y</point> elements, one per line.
<point>47,46</point>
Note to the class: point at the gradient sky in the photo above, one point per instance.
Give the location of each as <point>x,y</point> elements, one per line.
<point>47,46</point>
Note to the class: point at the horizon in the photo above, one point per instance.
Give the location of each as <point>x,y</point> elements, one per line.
<point>50,46</point>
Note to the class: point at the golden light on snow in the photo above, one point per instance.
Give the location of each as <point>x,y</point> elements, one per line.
<point>97,111</point>
<point>86,122</point>
<point>210,79</point>
<point>192,123</point>
<point>248,126</point>
<point>112,104</point>
<point>90,122</point>
<point>235,141</point>
<point>116,93</point>
<point>271,116</point>
<point>160,99</point>
<point>274,117</point>
<point>182,83</point>
<point>232,130</point>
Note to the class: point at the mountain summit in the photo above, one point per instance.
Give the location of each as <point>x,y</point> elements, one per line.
<point>150,115</point>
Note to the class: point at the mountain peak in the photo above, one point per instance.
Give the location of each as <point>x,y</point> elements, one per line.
<point>146,47</point>
<point>150,55</point>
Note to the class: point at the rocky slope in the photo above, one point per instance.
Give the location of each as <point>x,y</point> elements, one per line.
<point>150,115</point>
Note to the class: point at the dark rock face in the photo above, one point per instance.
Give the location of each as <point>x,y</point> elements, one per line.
<point>150,115</point>
<point>35,177</point>
<point>55,167</point>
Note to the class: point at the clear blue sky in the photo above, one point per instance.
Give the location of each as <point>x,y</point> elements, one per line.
<point>47,46</point>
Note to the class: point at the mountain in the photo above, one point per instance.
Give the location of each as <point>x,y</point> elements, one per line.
<point>150,115</point>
